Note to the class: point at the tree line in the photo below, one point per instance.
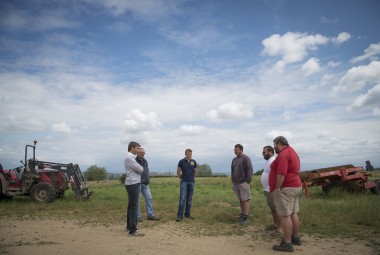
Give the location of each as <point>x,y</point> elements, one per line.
<point>96,173</point>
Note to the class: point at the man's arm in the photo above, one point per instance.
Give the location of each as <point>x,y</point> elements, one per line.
<point>196,171</point>
<point>135,166</point>
<point>249,170</point>
<point>179,173</point>
<point>279,180</point>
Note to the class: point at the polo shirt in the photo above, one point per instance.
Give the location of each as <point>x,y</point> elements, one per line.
<point>187,168</point>
<point>288,164</point>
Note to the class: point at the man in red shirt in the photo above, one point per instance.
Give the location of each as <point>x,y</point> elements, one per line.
<point>286,187</point>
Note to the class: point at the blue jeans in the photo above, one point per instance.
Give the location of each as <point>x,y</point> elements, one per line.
<point>186,195</point>
<point>148,201</point>
<point>133,202</point>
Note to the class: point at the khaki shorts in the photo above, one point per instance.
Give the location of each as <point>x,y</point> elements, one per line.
<point>286,200</point>
<point>270,201</point>
<point>242,191</point>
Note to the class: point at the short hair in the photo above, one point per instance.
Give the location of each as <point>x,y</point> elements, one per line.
<point>188,150</point>
<point>239,146</point>
<point>269,148</point>
<point>281,140</point>
<point>133,145</point>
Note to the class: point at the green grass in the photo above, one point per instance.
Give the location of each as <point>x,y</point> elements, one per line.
<point>216,208</point>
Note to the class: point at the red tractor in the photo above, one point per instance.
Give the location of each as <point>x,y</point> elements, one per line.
<point>42,181</point>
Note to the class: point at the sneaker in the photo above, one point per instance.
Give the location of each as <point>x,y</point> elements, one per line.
<point>296,240</point>
<point>153,218</point>
<point>287,247</point>
<point>140,219</point>
<point>244,221</point>
<point>178,220</point>
<point>136,233</point>
<point>189,217</point>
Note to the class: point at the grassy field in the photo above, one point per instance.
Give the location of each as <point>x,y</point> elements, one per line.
<point>337,214</point>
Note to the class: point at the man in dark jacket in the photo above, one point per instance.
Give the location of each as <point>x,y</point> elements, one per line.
<point>145,190</point>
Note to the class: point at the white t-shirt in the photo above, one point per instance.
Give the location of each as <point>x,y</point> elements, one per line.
<point>265,175</point>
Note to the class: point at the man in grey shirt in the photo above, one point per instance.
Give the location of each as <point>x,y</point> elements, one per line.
<point>241,172</point>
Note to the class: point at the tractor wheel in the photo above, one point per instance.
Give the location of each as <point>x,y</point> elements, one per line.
<point>326,188</point>
<point>43,192</point>
<point>376,190</point>
<point>2,196</point>
<point>354,186</point>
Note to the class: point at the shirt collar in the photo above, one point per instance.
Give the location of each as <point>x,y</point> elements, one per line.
<point>132,155</point>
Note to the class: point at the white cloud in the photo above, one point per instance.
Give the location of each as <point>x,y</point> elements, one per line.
<point>137,121</point>
<point>326,20</point>
<point>311,66</point>
<point>192,129</point>
<point>327,79</point>
<point>41,21</point>
<point>323,135</point>
<point>333,64</point>
<point>119,27</point>
<point>61,127</point>
<point>230,110</point>
<point>376,111</point>
<point>357,77</point>
<point>370,53</point>
<point>149,10</point>
<point>372,97</point>
<point>292,47</point>
<point>274,133</point>
<point>203,38</point>
<point>287,115</point>
<point>341,38</point>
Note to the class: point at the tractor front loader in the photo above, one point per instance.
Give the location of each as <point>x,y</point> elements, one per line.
<point>73,175</point>
<point>42,181</point>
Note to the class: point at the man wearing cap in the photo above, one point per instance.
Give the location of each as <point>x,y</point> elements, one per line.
<point>286,187</point>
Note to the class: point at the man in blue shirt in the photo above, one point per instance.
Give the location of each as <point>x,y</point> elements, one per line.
<point>186,170</point>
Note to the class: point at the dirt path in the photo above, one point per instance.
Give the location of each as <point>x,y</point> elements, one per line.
<point>60,237</point>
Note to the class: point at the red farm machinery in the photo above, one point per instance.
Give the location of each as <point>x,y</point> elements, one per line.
<point>347,176</point>
<point>41,180</point>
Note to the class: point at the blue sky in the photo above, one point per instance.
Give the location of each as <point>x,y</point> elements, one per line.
<point>85,78</point>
